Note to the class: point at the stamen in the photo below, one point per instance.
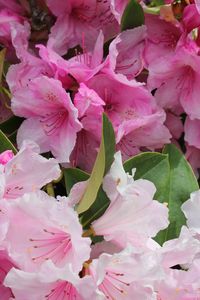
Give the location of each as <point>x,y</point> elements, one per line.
<point>53,121</point>
<point>13,192</point>
<point>54,248</point>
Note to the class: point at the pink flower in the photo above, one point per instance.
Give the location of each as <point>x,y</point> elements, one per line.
<point>51,117</point>
<point>84,66</point>
<point>90,109</point>
<point>57,65</point>
<point>81,67</point>
<point>177,81</point>
<point>20,177</point>
<point>116,180</point>
<point>191,209</point>
<point>135,203</point>
<point>180,284</point>
<point>49,230</point>
<point>20,75</point>
<point>11,5</point>
<point>197,3</point>
<point>4,218</point>
<point>181,250</point>
<point>193,156</point>
<point>113,275</point>
<point>8,19</point>
<point>117,7</point>
<point>85,150</point>
<point>6,156</point>
<point>126,55</point>
<point>79,22</point>
<point>20,34</point>
<point>5,265</point>
<point>162,38</point>
<point>51,283</point>
<point>134,119</point>
<point>175,125</point>
<point>191,18</point>
<point>126,275</point>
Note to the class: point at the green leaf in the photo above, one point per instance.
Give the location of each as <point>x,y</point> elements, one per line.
<point>2,58</point>
<point>151,166</point>
<point>11,125</point>
<point>102,164</point>
<point>99,206</point>
<point>5,143</point>
<point>181,183</point>
<point>96,210</point>
<point>133,16</point>
<point>72,176</point>
<point>109,143</point>
<point>174,181</point>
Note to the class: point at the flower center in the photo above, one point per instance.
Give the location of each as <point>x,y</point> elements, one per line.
<point>51,122</point>
<point>83,13</point>
<point>64,290</point>
<point>113,284</point>
<point>13,192</point>
<point>54,246</point>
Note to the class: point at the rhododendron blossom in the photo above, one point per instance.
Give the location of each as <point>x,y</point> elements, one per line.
<point>99,150</point>
<point>53,117</point>
<point>50,231</point>
<point>136,204</point>
<point>16,175</point>
<point>51,283</point>
<point>80,22</point>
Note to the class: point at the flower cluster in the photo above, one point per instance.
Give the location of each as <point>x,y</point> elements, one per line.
<point>45,254</point>
<point>67,64</point>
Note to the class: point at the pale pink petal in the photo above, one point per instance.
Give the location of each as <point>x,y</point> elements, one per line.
<point>138,222</point>
<point>51,283</point>
<point>191,209</point>
<point>181,250</point>
<point>49,230</point>
<point>21,177</point>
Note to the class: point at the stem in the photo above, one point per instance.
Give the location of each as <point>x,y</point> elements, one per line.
<point>89,232</point>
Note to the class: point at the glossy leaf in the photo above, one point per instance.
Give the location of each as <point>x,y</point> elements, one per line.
<point>72,176</point>
<point>181,183</point>
<point>174,181</point>
<point>11,125</point>
<point>5,143</point>
<point>152,166</point>
<point>133,16</point>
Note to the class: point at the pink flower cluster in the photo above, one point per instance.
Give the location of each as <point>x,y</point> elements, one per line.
<point>63,94</point>
<point>62,79</point>
<point>44,253</point>
<point>63,99</point>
